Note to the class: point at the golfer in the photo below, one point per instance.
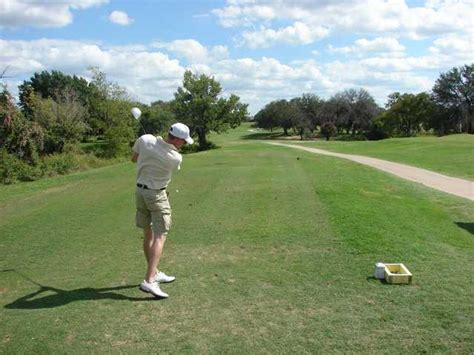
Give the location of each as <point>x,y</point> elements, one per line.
<point>156,159</point>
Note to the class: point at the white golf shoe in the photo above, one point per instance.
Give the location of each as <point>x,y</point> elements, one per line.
<point>153,288</point>
<point>162,277</point>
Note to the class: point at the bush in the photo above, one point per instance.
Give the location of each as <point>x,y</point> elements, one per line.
<point>58,164</point>
<point>328,130</point>
<point>118,140</point>
<point>351,137</point>
<point>193,148</point>
<point>13,169</point>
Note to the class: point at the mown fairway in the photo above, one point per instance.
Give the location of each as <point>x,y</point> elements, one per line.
<point>271,253</point>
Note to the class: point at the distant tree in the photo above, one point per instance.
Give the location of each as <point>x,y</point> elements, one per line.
<point>18,136</point>
<point>328,130</point>
<point>52,85</point>
<point>198,104</point>
<point>301,121</point>
<point>359,110</point>
<point>406,113</point>
<point>156,119</point>
<point>266,118</point>
<point>63,120</point>
<point>335,110</point>
<point>311,106</point>
<point>454,93</point>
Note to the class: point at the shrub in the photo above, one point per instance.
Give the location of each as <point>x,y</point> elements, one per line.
<point>13,169</point>
<point>58,164</point>
<point>328,130</point>
<point>193,148</point>
<point>351,137</point>
<point>118,140</point>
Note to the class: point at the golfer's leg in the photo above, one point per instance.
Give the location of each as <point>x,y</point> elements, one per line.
<point>154,257</point>
<point>147,242</point>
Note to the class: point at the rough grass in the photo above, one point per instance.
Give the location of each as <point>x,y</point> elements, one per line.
<point>272,255</point>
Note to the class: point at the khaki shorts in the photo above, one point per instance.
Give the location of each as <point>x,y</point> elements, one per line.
<point>153,208</point>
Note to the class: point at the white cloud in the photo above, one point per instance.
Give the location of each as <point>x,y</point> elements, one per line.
<point>193,51</point>
<point>362,47</point>
<point>17,13</point>
<point>454,48</point>
<point>299,33</point>
<point>120,18</point>
<point>363,17</point>
<point>149,75</point>
<point>155,71</point>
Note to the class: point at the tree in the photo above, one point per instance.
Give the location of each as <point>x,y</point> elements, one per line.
<point>328,130</point>
<point>156,118</point>
<point>18,136</point>
<point>265,118</point>
<point>335,110</point>
<point>406,113</point>
<point>197,103</point>
<point>454,93</point>
<point>357,110</point>
<point>52,85</point>
<point>63,121</point>
<point>301,121</point>
<point>311,106</point>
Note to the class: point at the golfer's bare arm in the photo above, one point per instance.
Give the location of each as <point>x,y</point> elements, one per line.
<point>135,157</point>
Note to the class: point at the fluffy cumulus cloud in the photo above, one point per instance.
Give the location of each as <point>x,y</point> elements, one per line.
<point>309,21</point>
<point>120,18</point>
<point>193,51</point>
<point>155,71</point>
<point>147,74</point>
<point>17,13</point>
<point>298,33</point>
<point>362,47</point>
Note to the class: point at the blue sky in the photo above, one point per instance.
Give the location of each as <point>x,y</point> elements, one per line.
<point>258,50</point>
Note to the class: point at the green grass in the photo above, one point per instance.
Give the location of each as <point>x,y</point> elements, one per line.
<point>451,155</point>
<point>272,255</point>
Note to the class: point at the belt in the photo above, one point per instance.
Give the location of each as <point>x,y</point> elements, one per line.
<point>145,187</point>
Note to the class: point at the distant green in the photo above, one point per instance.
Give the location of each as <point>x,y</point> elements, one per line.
<point>272,254</point>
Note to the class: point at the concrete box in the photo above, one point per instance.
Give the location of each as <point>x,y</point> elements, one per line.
<point>397,274</point>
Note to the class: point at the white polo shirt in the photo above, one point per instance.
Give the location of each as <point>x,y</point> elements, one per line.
<point>156,161</point>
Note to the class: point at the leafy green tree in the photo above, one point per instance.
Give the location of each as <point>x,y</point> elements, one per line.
<point>282,113</point>
<point>156,118</point>
<point>311,106</point>
<point>406,113</point>
<point>266,119</point>
<point>197,103</point>
<point>335,110</point>
<point>357,110</point>
<point>453,92</point>
<point>63,121</point>
<point>18,136</point>
<point>301,121</point>
<point>52,85</point>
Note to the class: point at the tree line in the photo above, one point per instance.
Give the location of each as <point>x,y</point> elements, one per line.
<point>353,113</point>
<point>56,112</point>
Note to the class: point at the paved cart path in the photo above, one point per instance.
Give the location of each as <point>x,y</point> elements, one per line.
<point>455,186</point>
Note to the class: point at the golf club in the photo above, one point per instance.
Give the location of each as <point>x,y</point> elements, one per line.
<point>136,113</point>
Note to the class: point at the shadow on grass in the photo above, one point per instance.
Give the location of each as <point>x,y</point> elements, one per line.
<point>264,135</point>
<point>381,281</point>
<point>52,297</point>
<point>467,226</point>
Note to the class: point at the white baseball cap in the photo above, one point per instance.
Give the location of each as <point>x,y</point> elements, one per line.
<point>180,130</point>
